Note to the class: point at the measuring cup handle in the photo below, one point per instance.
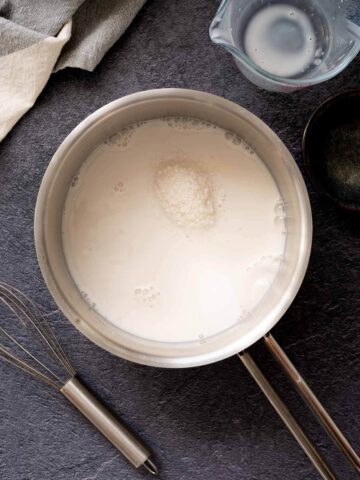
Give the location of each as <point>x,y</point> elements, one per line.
<point>353,29</point>
<point>312,401</point>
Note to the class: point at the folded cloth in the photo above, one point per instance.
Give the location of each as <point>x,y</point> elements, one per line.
<point>38,37</point>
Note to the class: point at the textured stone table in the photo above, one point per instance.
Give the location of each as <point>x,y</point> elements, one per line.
<point>204,423</point>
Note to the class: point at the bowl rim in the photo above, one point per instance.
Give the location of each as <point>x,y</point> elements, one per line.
<point>308,163</point>
<point>204,357</point>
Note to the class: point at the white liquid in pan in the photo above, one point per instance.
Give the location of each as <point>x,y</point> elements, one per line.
<point>174,229</point>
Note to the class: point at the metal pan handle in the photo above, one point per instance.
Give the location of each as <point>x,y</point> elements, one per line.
<point>312,401</point>
<point>300,436</point>
<point>314,404</point>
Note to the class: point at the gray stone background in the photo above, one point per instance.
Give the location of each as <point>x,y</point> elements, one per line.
<point>208,422</point>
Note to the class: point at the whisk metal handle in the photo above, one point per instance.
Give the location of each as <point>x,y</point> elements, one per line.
<point>106,423</point>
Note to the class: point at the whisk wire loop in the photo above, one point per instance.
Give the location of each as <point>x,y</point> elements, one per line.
<point>17,362</point>
<point>31,318</point>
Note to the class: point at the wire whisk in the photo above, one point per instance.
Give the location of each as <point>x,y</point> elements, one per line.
<point>32,319</point>
<point>57,372</point>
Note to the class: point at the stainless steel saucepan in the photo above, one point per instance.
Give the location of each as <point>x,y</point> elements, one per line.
<point>48,218</point>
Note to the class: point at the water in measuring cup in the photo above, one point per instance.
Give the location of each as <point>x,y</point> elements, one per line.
<point>282,39</point>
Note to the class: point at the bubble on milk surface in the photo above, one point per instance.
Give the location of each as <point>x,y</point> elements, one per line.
<point>186,124</point>
<point>147,296</point>
<point>236,140</point>
<point>123,137</point>
<point>75,180</point>
<point>119,187</point>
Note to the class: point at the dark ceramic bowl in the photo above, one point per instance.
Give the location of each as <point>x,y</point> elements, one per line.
<point>331,149</point>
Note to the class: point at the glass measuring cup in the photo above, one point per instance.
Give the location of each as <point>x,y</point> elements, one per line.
<point>286,45</point>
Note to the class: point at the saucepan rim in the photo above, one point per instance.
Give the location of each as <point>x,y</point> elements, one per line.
<point>179,358</point>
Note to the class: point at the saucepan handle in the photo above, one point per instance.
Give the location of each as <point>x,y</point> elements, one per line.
<point>300,436</point>
<point>311,400</point>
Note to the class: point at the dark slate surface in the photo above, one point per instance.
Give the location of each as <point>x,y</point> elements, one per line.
<point>209,422</point>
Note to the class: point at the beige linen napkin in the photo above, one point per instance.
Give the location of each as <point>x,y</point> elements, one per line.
<point>38,37</point>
